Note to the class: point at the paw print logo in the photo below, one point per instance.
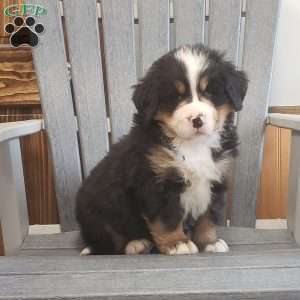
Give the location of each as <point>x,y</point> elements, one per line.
<point>24,31</point>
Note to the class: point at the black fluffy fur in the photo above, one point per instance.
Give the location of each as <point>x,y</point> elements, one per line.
<point>122,189</point>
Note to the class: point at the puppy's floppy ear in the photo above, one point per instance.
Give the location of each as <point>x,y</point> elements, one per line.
<point>236,84</point>
<point>145,99</point>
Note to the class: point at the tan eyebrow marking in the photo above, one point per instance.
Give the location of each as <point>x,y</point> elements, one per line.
<point>203,83</point>
<point>180,87</point>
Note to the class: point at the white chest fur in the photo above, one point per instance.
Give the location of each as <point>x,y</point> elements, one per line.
<point>200,169</point>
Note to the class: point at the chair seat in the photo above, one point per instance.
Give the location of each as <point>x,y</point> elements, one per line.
<point>261,264</point>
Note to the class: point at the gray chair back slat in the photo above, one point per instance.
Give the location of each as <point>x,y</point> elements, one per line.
<point>189,21</point>
<point>86,70</point>
<point>154,30</point>
<point>51,67</point>
<point>223,35</point>
<point>224,24</point>
<point>260,29</point>
<point>118,22</point>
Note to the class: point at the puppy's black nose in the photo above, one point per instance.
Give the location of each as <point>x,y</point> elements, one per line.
<point>197,122</point>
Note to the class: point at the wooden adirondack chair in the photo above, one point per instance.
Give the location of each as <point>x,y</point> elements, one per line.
<point>83,115</point>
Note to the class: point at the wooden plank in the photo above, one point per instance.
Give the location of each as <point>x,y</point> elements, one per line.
<point>285,109</point>
<point>1,242</point>
<point>224,25</point>
<point>235,249</point>
<point>86,70</point>
<point>50,252</point>
<point>18,80</point>
<point>272,198</point>
<point>118,22</point>
<point>175,284</point>
<point>259,39</point>
<point>63,240</point>
<point>78,264</point>
<point>294,187</point>
<point>285,120</point>
<point>285,150</point>
<point>239,235</point>
<point>51,67</point>
<point>154,30</point>
<point>232,235</point>
<point>189,18</point>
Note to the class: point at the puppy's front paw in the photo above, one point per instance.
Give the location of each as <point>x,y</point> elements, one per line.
<point>141,246</point>
<point>219,246</point>
<point>86,251</point>
<point>182,248</point>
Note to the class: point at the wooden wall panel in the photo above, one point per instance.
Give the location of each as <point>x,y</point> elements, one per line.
<point>18,83</point>
<point>272,197</point>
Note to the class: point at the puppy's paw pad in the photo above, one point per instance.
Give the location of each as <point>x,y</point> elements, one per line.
<point>141,246</point>
<point>219,246</point>
<point>183,248</point>
<point>86,251</point>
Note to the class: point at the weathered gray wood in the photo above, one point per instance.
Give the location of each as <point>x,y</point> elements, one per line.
<point>235,249</point>
<point>294,186</point>
<point>297,211</point>
<point>260,30</point>
<point>238,235</point>
<point>51,67</point>
<point>285,120</point>
<point>223,28</point>
<point>62,240</point>
<point>233,235</point>
<point>13,130</point>
<point>78,264</point>
<point>118,19</point>
<point>50,252</point>
<point>13,205</point>
<point>86,70</point>
<point>168,284</point>
<point>154,30</point>
<point>189,21</point>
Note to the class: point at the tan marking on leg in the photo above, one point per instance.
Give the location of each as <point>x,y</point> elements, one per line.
<point>204,232</point>
<point>171,242</point>
<point>162,160</point>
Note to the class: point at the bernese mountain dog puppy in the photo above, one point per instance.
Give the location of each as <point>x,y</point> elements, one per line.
<point>161,185</point>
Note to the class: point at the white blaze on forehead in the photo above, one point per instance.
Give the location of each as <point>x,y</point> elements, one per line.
<point>195,62</point>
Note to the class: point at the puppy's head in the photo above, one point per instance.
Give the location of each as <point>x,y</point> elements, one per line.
<point>189,91</point>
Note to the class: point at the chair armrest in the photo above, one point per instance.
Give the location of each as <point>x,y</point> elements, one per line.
<point>285,120</point>
<point>11,130</point>
<point>292,122</point>
<point>13,205</point>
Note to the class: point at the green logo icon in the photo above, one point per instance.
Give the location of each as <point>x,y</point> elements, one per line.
<point>17,10</point>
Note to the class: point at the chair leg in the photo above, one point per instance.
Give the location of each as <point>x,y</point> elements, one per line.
<point>13,206</point>
<point>294,187</point>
